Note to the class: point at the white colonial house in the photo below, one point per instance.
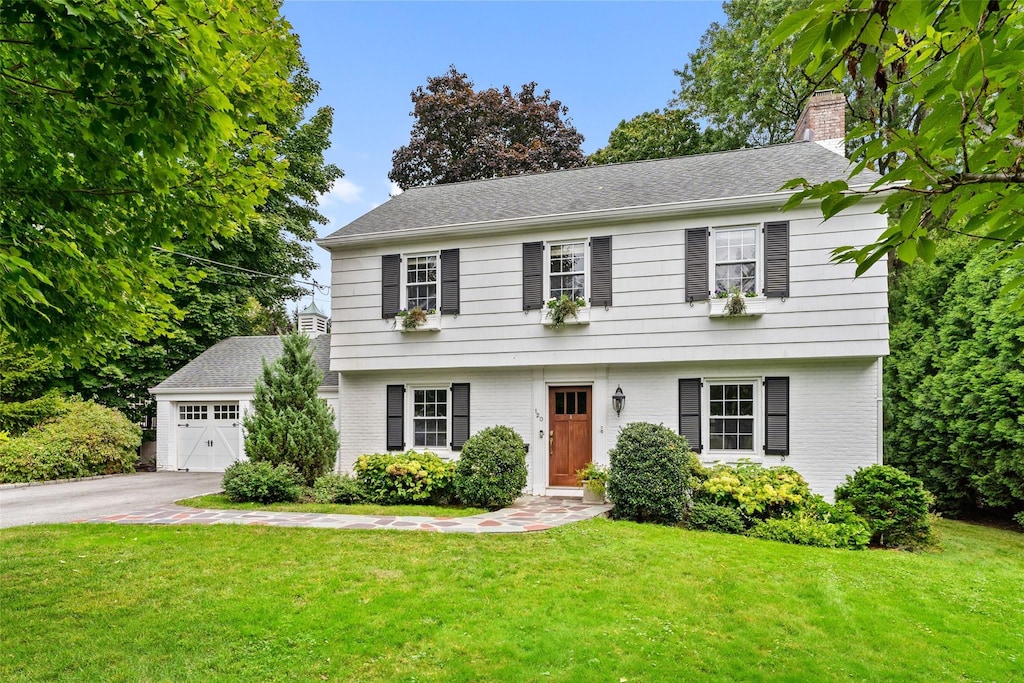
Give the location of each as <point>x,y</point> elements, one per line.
<point>200,407</point>
<point>795,379</point>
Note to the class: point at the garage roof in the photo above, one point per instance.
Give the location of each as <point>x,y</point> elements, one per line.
<point>236,363</point>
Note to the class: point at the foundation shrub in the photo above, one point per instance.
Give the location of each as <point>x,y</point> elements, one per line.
<point>711,517</point>
<point>491,471</point>
<point>894,504</point>
<point>262,482</point>
<point>403,478</point>
<point>338,488</point>
<point>649,477</point>
<point>806,530</point>
<point>86,439</point>
<point>757,492</point>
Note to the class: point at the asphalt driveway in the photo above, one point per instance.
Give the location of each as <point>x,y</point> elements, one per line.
<point>74,500</point>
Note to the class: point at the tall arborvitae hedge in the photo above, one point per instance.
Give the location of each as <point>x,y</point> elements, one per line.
<point>291,423</point>
<point>954,382</point>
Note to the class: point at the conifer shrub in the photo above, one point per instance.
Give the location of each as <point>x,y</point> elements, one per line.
<point>650,474</point>
<point>491,471</point>
<point>86,439</point>
<point>291,423</point>
<point>404,478</point>
<point>250,481</point>
<point>894,504</point>
<point>338,488</point>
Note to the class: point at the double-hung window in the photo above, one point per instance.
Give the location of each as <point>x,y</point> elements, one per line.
<point>731,416</point>
<point>421,282</point>
<point>567,270</point>
<point>734,266</point>
<point>430,418</point>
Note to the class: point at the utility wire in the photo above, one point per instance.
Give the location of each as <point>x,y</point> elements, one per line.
<point>249,271</point>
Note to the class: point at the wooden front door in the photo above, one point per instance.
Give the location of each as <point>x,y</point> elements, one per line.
<point>569,433</point>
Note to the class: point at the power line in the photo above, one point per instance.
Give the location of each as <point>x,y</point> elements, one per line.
<point>248,271</point>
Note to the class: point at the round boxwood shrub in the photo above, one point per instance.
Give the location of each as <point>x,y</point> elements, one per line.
<point>894,504</point>
<point>649,477</point>
<point>711,517</point>
<point>491,471</point>
<point>261,482</point>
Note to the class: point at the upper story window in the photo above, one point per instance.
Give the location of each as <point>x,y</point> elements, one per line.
<point>734,266</point>
<point>567,270</point>
<point>421,282</point>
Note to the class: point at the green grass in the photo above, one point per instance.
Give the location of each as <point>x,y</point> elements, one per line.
<point>596,601</point>
<point>219,501</point>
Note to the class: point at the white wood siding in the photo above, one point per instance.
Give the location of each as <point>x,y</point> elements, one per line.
<point>829,313</point>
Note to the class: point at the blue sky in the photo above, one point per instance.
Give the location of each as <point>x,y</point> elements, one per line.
<point>606,61</point>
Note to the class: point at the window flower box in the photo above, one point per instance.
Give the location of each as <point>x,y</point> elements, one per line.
<point>423,321</point>
<point>753,306</point>
<point>582,317</point>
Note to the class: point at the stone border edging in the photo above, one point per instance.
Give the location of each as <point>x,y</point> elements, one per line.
<point>24,484</point>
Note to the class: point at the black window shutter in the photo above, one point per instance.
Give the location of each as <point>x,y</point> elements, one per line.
<point>776,258</point>
<point>601,271</point>
<point>450,281</point>
<point>776,415</point>
<point>533,275</point>
<point>689,412</point>
<point>391,279</point>
<point>396,417</point>
<point>460,415</point>
<point>696,264</point>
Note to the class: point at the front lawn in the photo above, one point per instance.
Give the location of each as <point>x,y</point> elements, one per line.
<point>219,501</point>
<point>595,601</point>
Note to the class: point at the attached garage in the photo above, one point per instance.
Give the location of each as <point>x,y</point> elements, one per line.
<point>200,407</point>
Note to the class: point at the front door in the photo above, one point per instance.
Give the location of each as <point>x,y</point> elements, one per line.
<point>569,430</point>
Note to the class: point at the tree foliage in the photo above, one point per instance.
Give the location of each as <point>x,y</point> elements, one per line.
<point>954,382</point>
<point>957,161</point>
<point>217,301</point>
<point>658,135</point>
<point>127,125</point>
<point>463,134</point>
<point>290,422</point>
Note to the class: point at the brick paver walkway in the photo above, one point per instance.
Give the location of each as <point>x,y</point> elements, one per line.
<point>530,513</point>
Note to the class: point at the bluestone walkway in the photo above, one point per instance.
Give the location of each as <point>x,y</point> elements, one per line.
<point>530,513</point>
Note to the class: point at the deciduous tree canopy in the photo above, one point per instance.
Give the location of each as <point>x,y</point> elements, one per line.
<point>657,135</point>
<point>462,134</point>
<point>958,160</point>
<point>125,125</point>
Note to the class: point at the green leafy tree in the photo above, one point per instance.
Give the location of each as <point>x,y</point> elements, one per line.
<point>463,134</point>
<point>957,162</point>
<point>954,382</point>
<point>657,135</point>
<point>25,379</point>
<point>290,423</point>
<point>216,301</point>
<point>127,125</point>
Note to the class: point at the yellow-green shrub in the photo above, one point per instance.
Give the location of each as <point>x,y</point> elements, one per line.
<point>410,477</point>
<point>758,492</point>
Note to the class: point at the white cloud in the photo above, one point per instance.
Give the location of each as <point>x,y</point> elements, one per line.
<point>395,189</point>
<point>342,192</point>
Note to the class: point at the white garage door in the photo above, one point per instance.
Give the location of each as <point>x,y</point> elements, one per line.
<point>208,435</point>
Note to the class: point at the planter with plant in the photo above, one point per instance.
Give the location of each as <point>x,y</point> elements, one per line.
<point>566,310</point>
<point>416,319</point>
<point>736,303</point>
<point>594,480</point>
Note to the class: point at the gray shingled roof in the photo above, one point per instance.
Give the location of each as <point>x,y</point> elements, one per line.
<point>720,175</point>
<point>236,362</point>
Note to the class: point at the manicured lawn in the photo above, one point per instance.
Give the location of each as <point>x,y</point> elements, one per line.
<point>219,501</point>
<point>597,601</point>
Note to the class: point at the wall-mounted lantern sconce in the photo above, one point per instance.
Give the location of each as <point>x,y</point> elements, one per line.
<point>618,400</point>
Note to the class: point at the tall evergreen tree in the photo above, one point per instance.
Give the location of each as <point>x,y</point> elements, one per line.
<point>291,423</point>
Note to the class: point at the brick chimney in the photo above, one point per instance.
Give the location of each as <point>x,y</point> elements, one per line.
<point>824,121</point>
